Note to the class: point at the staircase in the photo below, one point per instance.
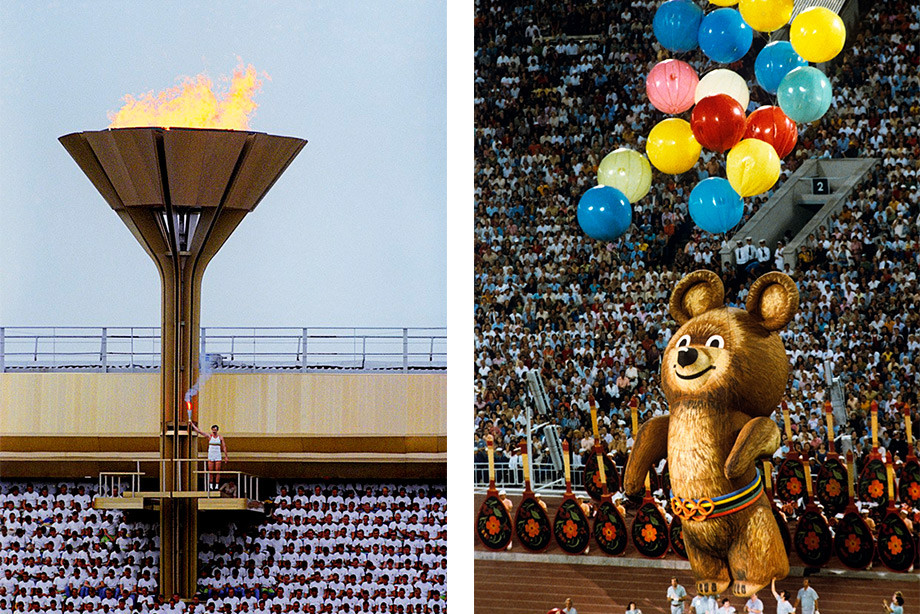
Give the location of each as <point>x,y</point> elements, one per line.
<point>809,198</point>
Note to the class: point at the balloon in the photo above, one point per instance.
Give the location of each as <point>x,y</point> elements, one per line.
<point>626,170</point>
<point>817,34</point>
<point>676,24</point>
<point>804,94</point>
<point>724,37</point>
<point>723,81</point>
<point>604,213</point>
<point>671,85</point>
<point>774,62</point>
<point>770,125</point>
<point>718,122</point>
<point>671,146</point>
<point>715,206</point>
<point>766,15</point>
<point>752,167</point>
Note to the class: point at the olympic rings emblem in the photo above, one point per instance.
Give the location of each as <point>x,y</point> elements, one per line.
<point>688,509</point>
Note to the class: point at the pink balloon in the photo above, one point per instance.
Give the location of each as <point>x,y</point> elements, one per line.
<point>671,85</point>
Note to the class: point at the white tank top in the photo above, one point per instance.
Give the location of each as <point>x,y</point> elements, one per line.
<point>213,441</point>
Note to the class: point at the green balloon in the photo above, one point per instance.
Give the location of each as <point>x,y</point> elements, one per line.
<point>628,171</point>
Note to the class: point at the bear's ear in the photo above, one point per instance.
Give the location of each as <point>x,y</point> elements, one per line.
<point>698,292</point>
<point>773,299</point>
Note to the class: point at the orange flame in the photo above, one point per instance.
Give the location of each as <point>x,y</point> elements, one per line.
<point>194,104</point>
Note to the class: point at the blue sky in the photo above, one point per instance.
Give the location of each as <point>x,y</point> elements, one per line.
<point>353,234</point>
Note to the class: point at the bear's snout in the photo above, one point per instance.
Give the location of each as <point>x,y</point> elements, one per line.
<point>686,357</point>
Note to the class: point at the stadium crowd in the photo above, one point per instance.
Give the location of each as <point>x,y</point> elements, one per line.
<point>323,548</point>
<point>552,97</point>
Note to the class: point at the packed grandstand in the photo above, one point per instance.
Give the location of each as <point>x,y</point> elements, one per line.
<point>324,547</point>
<point>557,87</point>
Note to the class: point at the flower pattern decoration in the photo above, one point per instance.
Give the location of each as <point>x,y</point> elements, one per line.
<point>609,531</point>
<point>493,526</point>
<point>914,491</point>
<point>833,487</point>
<point>649,533</point>
<point>570,529</point>
<point>894,545</point>
<point>852,544</point>
<point>532,528</point>
<point>812,541</point>
<point>876,488</point>
<point>794,485</point>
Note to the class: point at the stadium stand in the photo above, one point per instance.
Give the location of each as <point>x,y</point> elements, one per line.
<point>324,548</point>
<point>557,87</point>
<point>554,93</point>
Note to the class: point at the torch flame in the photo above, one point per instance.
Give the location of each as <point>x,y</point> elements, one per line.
<point>194,104</point>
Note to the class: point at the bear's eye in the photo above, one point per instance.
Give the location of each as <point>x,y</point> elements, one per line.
<point>683,341</point>
<point>716,341</point>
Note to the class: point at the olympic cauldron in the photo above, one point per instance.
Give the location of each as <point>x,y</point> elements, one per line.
<point>181,192</point>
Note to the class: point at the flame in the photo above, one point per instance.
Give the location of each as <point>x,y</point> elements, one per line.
<point>194,104</point>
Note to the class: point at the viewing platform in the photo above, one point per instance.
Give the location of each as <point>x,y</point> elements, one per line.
<point>125,490</point>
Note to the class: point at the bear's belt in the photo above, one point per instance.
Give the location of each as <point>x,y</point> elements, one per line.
<point>701,509</point>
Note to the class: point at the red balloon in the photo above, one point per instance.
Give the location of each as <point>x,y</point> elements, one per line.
<point>718,122</point>
<point>771,125</point>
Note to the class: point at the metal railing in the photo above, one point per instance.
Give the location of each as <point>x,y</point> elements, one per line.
<point>544,477</point>
<point>225,349</point>
<point>117,483</point>
<point>110,482</point>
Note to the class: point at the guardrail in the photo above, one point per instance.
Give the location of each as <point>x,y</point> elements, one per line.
<point>47,348</point>
<point>118,483</point>
<point>544,477</point>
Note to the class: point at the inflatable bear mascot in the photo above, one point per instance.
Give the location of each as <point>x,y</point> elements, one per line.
<point>723,373</point>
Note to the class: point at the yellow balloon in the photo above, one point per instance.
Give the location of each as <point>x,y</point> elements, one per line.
<point>766,15</point>
<point>626,170</point>
<point>817,34</point>
<point>752,167</point>
<point>671,146</point>
<point>723,2</point>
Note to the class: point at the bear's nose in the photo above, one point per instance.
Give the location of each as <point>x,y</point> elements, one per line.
<point>686,357</point>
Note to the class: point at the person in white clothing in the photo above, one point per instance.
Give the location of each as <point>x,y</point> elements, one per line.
<point>808,598</point>
<point>753,605</point>
<point>703,604</point>
<point>217,453</point>
<point>568,608</point>
<point>677,594</point>
<point>632,608</point>
<point>782,600</point>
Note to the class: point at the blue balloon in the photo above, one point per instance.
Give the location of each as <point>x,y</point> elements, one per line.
<point>604,213</point>
<point>676,24</point>
<point>804,94</point>
<point>724,37</point>
<point>715,206</point>
<point>774,62</point>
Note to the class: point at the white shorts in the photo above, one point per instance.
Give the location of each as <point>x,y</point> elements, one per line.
<point>214,454</point>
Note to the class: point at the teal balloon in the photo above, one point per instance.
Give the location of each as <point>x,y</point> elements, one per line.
<point>715,206</point>
<point>724,36</point>
<point>604,213</point>
<point>774,62</point>
<point>804,94</point>
<point>675,25</point>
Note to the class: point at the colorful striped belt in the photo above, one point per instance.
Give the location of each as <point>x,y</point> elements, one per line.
<point>701,509</point>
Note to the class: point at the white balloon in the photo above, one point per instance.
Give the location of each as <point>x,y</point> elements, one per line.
<point>724,81</point>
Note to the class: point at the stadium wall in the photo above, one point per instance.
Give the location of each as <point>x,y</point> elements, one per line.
<point>343,424</point>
